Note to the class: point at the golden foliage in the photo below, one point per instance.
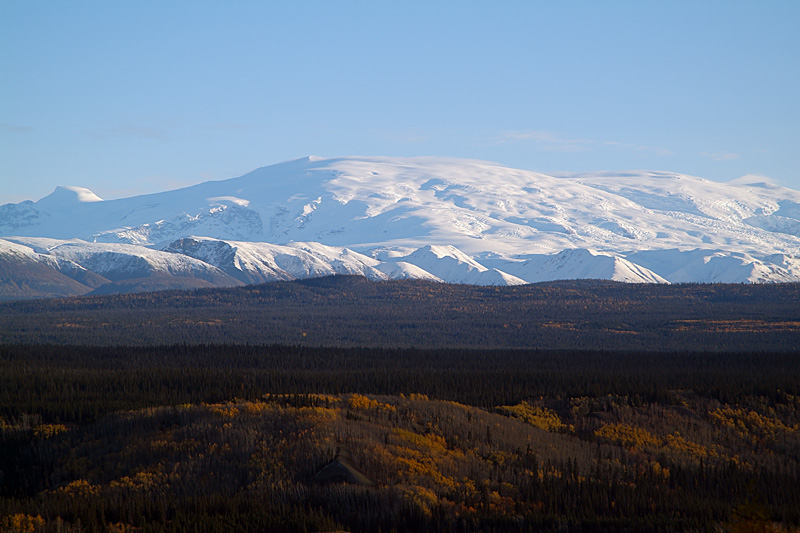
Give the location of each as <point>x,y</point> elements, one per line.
<point>414,397</point>
<point>140,482</point>
<point>255,408</point>
<point>357,401</point>
<point>677,442</point>
<point>539,417</point>
<point>40,431</point>
<point>45,431</point>
<point>628,436</point>
<point>226,410</point>
<point>430,455</point>
<point>23,523</point>
<point>168,444</point>
<point>314,397</point>
<point>418,459</point>
<point>317,415</point>
<point>79,487</point>
<point>420,499</point>
<point>428,443</point>
<point>422,469</point>
<point>121,527</point>
<point>750,424</point>
<point>660,471</point>
<point>500,458</point>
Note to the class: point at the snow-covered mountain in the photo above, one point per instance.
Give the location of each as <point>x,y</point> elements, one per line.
<point>257,262</point>
<point>452,220</point>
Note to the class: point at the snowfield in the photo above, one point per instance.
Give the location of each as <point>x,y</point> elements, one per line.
<point>453,220</point>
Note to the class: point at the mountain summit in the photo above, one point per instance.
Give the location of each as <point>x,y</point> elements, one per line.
<point>454,220</point>
<point>68,195</point>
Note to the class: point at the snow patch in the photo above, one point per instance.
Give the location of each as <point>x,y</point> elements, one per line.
<point>227,200</point>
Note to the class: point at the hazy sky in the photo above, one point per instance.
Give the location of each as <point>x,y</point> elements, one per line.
<point>132,97</point>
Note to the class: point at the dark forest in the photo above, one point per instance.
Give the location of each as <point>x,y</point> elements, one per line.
<point>579,406</point>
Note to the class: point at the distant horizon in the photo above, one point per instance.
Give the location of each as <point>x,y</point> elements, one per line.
<point>215,91</point>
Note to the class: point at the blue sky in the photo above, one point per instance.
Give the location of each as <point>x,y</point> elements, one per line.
<point>133,97</point>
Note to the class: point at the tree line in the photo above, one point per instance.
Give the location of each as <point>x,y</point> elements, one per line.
<point>352,311</point>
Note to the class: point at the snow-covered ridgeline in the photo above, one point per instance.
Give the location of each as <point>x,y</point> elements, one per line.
<point>452,220</point>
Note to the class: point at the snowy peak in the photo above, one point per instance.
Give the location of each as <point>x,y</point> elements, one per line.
<point>582,264</point>
<point>476,206</point>
<point>451,264</point>
<point>403,270</point>
<point>101,263</point>
<point>68,195</point>
<point>261,262</point>
<point>447,253</point>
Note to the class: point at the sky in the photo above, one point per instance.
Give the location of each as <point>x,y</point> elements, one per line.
<point>128,98</point>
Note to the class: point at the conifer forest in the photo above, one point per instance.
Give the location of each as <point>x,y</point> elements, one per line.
<point>340,404</point>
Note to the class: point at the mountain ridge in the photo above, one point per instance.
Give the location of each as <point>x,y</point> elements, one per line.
<point>387,217</point>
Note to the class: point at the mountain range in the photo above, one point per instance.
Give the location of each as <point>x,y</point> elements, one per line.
<point>441,219</point>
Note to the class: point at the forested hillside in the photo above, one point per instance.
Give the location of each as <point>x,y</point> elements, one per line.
<point>578,406</point>
<point>351,311</point>
<point>224,438</point>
